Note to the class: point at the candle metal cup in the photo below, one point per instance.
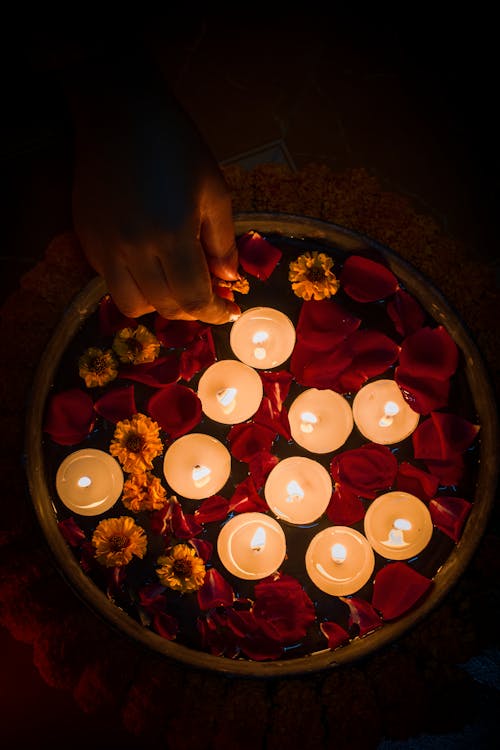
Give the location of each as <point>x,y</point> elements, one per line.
<point>89,481</point>
<point>339,560</point>
<point>262,337</point>
<point>298,490</point>
<point>381,414</point>
<point>320,420</point>
<point>230,391</point>
<point>251,545</point>
<point>398,525</point>
<point>196,466</point>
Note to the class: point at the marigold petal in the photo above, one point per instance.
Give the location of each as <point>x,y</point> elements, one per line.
<point>176,408</point>
<point>365,280</point>
<point>397,588</point>
<point>257,256</point>
<point>70,417</point>
<point>449,514</point>
<point>117,404</point>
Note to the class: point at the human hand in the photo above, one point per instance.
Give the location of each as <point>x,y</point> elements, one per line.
<point>150,205</point>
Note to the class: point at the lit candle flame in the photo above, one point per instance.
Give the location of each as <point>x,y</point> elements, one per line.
<point>308,420</point>
<point>396,534</point>
<point>258,540</point>
<point>260,337</point>
<point>295,492</point>
<point>338,553</point>
<point>201,475</point>
<point>390,411</point>
<point>84,482</point>
<point>227,399</point>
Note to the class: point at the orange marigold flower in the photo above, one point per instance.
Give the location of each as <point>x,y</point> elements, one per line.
<point>311,276</point>
<point>136,442</point>
<point>144,491</point>
<point>136,345</point>
<point>97,367</point>
<point>182,570</point>
<point>117,540</point>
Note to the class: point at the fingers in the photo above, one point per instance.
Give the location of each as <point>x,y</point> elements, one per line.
<point>125,292</point>
<point>218,238</point>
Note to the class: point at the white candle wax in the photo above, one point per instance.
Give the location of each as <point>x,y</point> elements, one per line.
<point>251,545</point>
<point>398,525</point>
<point>339,560</point>
<point>262,337</point>
<point>298,490</point>
<point>230,391</point>
<point>89,481</point>
<point>320,420</point>
<point>196,466</point>
<point>381,414</point>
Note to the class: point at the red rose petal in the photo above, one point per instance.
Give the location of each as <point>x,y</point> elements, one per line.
<point>345,507</point>
<point>442,436</point>
<point>365,280</point>
<point>335,634</point>
<point>260,465</point>
<point>200,354</point>
<point>429,352</point>
<point>117,404</point>
<point>203,548</point>
<point>449,472</point>
<point>157,374</point>
<point>178,333</point>
<point>70,417</point>
<point>405,312</point>
<point>247,439</point>
<point>275,420</point>
<point>361,615</point>
<point>257,256</point>
<point>323,324</point>
<point>176,408</point>
<point>70,530</point>
<point>397,588</point>
<point>416,481</point>
<point>316,369</point>
<point>111,319</point>
<point>152,598</point>
<point>215,591</point>
<point>422,394</point>
<point>276,386</point>
<point>365,470</point>
<point>449,515</point>
<point>214,508</point>
<point>184,525</point>
<point>257,638</point>
<point>246,498</point>
<point>283,603</point>
<point>165,625</point>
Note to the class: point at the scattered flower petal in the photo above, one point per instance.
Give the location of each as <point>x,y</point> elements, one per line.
<point>199,354</point>
<point>176,408</point>
<point>183,525</point>
<point>246,498</point>
<point>276,386</point>
<point>405,312</point>
<point>178,333</point>
<point>111,319</point>
<point>283,603</point>
<point>397,588</point>
<point>247,439</point>
<point>442,436</point>
<point>429,352</point>
<point>165,625</point>
<point>70,530</point>
<point>366,470</point>
<point>260,465</point>
<point>449,514</point>
<point>362,615</point>
<point>277,421</point>
<point>257,256</point>
<point>117,404</point>
<point>70,417</point>
<point>422,394</point>
<point>416,482</point>
<point>345,507</point>
<point>365,280</point>
<point>203,548</point>
<point>323,325</point>
<point>215,592</point>
<point>335,634</point>
<point>214,508</point>
<point>157,374</point>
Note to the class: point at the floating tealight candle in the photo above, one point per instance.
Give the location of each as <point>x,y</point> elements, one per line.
<point>398,525</point>
<point>381,414</point>
<point>262,337</point>
<point>89,481</point>
<point>320,420</point>
<point>339,560</point>
<point>230,391</point>
<point>298,490</point>
<point>196,466</point>
<point>251,545</point>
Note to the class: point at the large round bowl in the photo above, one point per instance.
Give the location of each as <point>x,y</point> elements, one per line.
<point>320,233</point>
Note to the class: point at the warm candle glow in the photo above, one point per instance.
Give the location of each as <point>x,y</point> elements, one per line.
<point>230,391</point>
<point>339,560</point>
<point>298,490</point>
<point>398,525</point>
<point>262,337</point>
<point>381,414</point>
<point>89,481</point>
<point>320,420</point>
<point>251,545</point>
<point>196,466</point>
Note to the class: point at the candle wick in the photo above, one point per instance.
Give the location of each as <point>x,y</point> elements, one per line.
<point>295,492</point>
<point>84,482</point>
<point>390,411</point>
<point>308,421</point>
<point>227,399</point>
<point>201,475</point>
<point>258,540</point>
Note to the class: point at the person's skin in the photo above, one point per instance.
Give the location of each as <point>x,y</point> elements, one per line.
<point>151,208</point>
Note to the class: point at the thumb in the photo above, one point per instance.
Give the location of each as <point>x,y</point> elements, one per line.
<point>218,240</point>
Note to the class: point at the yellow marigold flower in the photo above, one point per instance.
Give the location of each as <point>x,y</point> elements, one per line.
<point>136,345</point>
<point>311,276</point>
<point>136,442</point>
<point>181,570</point>
<point>144,491</point>
<point>116,540</point>
<point>241,285</point>
<point>97,367</point>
